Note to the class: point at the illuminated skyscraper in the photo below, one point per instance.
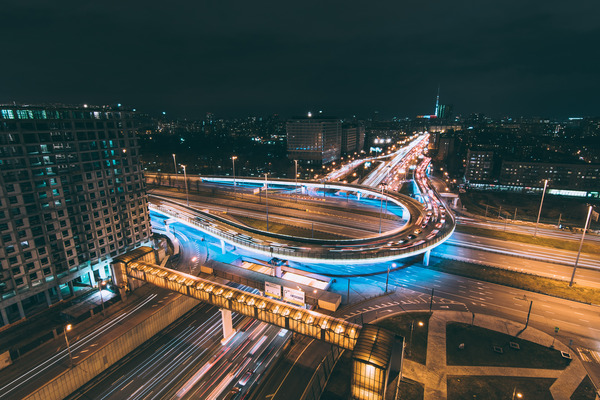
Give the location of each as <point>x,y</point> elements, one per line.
<point>314,140</point>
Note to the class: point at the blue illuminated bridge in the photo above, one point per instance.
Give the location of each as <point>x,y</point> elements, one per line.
<point>429,225</point>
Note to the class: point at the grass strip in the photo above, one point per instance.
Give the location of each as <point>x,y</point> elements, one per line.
<point>401,325</point>
<point>498,387</point>
<point>478,349</point>
<point>573,245</point>
<point>283,229</point>
<point>533,283</point>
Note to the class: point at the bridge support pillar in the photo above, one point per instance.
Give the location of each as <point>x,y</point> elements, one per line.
<point>222,247</point>
<point>277,269</point>
<point>357,196</point>
<point>228,330</point>
<point>426,257</point>
<point>4,316</point>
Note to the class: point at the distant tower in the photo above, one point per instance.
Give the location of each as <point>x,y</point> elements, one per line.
<point>437,103</point>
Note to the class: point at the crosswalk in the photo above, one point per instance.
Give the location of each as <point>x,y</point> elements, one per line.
<point>421,299</point>
<point>588,355</point>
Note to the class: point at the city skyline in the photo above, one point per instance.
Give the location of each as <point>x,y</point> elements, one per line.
<point>237,58</point>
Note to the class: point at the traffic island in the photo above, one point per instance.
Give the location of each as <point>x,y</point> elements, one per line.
<point>468,345</point>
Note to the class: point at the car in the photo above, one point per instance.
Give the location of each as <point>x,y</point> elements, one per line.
<point>411,237</point>
<point>417,231</point>
<point>245,378</point>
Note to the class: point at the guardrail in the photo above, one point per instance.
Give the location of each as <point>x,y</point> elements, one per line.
<point>313,254</point>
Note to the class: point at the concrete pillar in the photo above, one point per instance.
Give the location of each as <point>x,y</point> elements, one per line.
<point>59,293</point>
<point>102,271</point>
<point>303,189</point>
<point>21,311</point>
<point>357,196</point>
<point>48,300</point>
<point>92,278</point>
<point>4,316</point>
<point>228,330</point>
<point>222,246</point>
<point>71,291</point>
<point>278,271</point>
<point>426,257</point>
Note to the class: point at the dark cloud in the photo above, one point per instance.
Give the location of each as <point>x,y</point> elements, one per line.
<point>239,57</point>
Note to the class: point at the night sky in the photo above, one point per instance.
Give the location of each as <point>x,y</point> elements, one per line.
<point>237,58</point>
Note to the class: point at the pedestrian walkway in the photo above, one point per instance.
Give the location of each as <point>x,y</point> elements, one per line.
<point>434,375</point>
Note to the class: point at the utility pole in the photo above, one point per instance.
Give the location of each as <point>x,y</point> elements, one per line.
<point>528,314</point>
<point>540,211</point>
<point>174,164</point>
<point>431,300</point>
<point>515,216</point>
<point>587,221</point>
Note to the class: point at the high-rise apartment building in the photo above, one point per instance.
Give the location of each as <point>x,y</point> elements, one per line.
<point>314,140</point>
<point>72,196</point>
<point>479,166</point>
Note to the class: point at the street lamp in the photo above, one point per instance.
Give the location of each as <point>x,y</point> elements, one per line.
<point>267,198</point>
<point>233,158</point>
<point>516,395</point>
<point>193,261</point>
<point>187,196</point>
<point>587,222</point>
<point>296,175</point>
<point>100,284</point>
<point>381,209</point>
<point>174,163</point>
<point>68,328</point>
<point>387,278</point>
<point>541,204</point>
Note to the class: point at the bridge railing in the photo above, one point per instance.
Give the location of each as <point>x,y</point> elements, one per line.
<point>310,253</point>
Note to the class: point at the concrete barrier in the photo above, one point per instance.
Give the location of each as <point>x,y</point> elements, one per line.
<point>95,363</point>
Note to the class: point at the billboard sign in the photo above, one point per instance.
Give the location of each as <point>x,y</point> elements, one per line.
<point>294,296</point>
<point>273,290</point>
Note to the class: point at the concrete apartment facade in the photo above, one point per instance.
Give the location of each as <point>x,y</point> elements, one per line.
<point>72,197</point>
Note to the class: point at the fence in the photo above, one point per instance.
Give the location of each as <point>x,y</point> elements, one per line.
<point>319,380</point>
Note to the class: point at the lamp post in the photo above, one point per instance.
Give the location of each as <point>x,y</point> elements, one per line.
<point>380,209</point>
<point>267,198</point>
<point>174,163</point>
<point>296,187</point>
<point>587,221</point>
<point>68,328</point>
<point>516,395</point>
<point>233,158</point>
<point>540,211</point>
<point>100,284</point>
<point>193,261</point>
<point>387,278</point>
<point>187,196</point>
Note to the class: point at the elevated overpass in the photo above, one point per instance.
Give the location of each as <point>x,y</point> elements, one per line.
<point>416,237</point>
<point>376,350</point>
